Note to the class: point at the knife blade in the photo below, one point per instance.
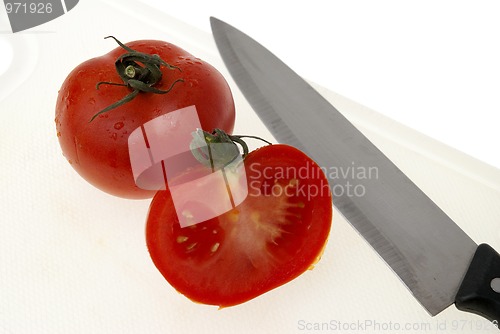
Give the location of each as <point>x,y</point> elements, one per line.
<point>437,261</point>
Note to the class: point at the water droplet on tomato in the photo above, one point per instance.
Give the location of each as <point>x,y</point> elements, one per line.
<point>113,136</point>
<point>119,125</point>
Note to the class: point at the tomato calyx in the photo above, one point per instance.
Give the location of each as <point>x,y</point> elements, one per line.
<point>219,149</point>
<point>139,78</point>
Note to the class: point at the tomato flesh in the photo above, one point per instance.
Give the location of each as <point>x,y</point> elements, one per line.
<point>273,236</point>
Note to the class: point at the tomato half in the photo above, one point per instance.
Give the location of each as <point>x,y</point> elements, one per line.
<point>98,149</point>
<point>274,235</point>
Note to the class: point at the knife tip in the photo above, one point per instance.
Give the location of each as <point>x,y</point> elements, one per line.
<point>217,24</point>
<point>214,20</point>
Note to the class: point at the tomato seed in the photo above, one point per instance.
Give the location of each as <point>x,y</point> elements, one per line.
<point>181,239</point>
<point>214,247</point>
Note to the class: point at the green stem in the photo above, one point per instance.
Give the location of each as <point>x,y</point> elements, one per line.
<point>137,77</point>
<point>220,155</point>
<point>237,139</point>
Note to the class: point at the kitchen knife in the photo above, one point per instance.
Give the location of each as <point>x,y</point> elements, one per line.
<point>436,260</point>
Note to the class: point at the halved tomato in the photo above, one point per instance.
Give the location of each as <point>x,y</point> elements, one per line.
<point>274,235</point>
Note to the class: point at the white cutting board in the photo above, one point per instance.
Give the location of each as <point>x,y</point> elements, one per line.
<point>74,260</point>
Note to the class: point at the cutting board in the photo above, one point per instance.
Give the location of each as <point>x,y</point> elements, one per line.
<point>74,259</point>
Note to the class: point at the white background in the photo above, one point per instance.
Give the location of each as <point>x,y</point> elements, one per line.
<point>431,65</point>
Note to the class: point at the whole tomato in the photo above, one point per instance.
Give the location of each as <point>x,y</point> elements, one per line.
<point>106,98</point>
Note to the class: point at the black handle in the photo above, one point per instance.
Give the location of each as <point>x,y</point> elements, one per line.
<point>480,289</point>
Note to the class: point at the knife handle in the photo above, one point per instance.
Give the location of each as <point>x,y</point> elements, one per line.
<point>479,292</point>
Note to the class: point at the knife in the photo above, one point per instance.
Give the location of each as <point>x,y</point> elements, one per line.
<point>437,261</point>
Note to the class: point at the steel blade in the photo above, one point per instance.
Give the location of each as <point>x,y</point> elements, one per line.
<point>421,244</point>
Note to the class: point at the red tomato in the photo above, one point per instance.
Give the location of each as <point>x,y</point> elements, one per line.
<point>273,236</point>
<point>98,149</point>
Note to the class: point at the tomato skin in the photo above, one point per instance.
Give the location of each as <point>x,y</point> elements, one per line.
<point>98,150</point>
<point>263,243</point>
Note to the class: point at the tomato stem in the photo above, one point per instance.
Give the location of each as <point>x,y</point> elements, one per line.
<point>222,154</point>
<point>237,139</point>
<point>130,71</point>
<point>139,72</point>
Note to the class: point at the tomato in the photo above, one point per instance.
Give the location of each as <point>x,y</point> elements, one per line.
<point>274,235</point>
<point>95,143</point>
